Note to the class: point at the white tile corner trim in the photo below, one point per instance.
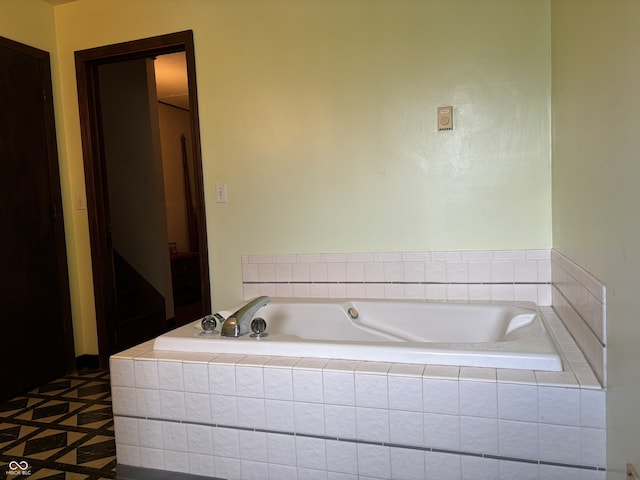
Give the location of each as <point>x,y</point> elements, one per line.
<point>579,299</point>
<point>487,275</point>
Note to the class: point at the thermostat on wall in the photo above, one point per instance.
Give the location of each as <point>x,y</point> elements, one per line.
<point>445,118</point>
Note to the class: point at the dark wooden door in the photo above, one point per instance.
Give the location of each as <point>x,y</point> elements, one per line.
<point>35,318</point>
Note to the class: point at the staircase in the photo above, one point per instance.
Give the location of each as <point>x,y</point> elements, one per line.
<point>140,308</point>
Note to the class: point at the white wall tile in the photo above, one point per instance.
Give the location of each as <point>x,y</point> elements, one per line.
<point>197,407</point>
<point>201,464</point>
<point>371,391</point>
<point>172,404</point>
<point>174,436</point>
<point>559,443</point>
<point>148,402</point>
<point>175,461</point>
<point>279,415</point>
<point>502,293</point>
<point>406,428</point>
<point>435,271</point>
<point>278,383</point>
<point>518,470</point>
<point>457,272</point>
<point>222,379</point>
<point>372,424</point>
<point>479,271</point>
<point>442,466</point>
<point>254,470</point>
<point>407,464</point>
<point>340,421</point>
<point>339,388</point>
<point>457,293</point>
<point>374,461</point>
<point>281,449</point>
<point>478,399</point>
<point>282,472</point>
<point>307,385</point>
<point>126,430</point>
<point>442,431</point>
<point>477,468</point>
<point>200,439</point>
<point>224,410</point>
<point>373,272</point>
<point>342,457</point>
<point>195,377</point>
<point>502,271</point>
<point>593,411</point>
<point>226,443</point>
<point>313,474</point>
<point>249,381</point>
<point>479,435</point>
<point>559,406</point>
<point>405,393</point>
<point>253,445</point>
<point>593,449</point>
<point>151,458</point>
<point>553,472</point>
<point>517,402</point>
<point>525,270</point>
<point>441,396</point>
<point>146,373</point>
<point>518,439</point>
<point>310,453</point>
<point>226,467</point>
<point>123,400</point>
<point>251,412</point>
<point>435,292</point>
<point>150,433</point>
<point>128,455</point>
<point>414,271</point>
<point>121,372</point>
<point>414,291</point>
<point>309,418</point>
<point>393,271</point>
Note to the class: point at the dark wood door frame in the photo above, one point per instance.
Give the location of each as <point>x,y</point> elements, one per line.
<point>87,63</point>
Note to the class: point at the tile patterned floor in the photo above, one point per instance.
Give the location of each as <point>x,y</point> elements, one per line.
<point>60,431</point>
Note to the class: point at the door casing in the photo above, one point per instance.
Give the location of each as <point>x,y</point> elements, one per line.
<point>87,62</point>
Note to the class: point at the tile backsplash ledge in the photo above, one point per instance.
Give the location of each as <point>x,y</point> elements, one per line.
<point>505,275</point>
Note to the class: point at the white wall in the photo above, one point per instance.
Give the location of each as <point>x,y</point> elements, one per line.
<point>596,100</point>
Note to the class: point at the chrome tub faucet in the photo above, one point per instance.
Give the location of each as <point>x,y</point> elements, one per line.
<point>239,322</point>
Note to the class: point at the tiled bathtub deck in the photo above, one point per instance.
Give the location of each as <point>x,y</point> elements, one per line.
<point>233,416</point>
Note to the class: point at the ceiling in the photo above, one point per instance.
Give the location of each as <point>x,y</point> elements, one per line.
<point>171,79</point>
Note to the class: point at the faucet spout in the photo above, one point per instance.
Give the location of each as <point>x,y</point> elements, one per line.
<point>239,322</point>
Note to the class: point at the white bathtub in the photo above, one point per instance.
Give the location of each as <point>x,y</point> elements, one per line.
<point>399,331</point>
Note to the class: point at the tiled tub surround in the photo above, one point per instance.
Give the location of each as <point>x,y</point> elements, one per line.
<point>508,275</point>
<point>234,416</point>
<point>580,300</point>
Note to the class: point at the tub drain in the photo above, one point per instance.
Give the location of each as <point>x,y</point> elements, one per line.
<point>353,313</point>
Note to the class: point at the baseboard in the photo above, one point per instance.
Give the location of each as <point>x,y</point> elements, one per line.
<point>87,362</point>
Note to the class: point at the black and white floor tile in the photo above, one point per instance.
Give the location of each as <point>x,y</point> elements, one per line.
<point>60,431</point>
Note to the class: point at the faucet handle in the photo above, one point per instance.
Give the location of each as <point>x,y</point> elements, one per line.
<point>258,327</point>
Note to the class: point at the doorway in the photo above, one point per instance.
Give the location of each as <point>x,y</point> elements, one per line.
<point>144,281</point>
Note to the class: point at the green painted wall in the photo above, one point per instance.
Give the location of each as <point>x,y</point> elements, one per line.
<point>321,119</point>
<point>596,100</point>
